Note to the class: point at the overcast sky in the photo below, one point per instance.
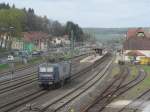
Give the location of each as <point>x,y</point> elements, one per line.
<point>92,13</point>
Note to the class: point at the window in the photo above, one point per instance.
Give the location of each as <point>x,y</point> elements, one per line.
<point>141,34</point>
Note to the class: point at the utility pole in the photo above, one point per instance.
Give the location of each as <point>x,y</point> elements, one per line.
<point>71,47</point>
<point>11,29</point>
<point>72,43</point>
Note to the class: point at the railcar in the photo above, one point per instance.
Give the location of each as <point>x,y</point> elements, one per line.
<point>54,73</point>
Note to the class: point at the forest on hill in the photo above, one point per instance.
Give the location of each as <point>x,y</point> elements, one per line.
<point>25,20</point>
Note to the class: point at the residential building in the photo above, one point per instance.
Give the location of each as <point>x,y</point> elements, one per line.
<point>35,41</point>
<point>17,44</point>
<point>56,41</point>
<point>64,40</point>
<point>136,45</point>
<point>4,40</point>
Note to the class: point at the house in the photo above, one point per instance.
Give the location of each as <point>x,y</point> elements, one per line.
<point>5,40</point>
<point>17,44</point>
<point>56,41</point>
<point>136,45</point>
<point>64,40</point>
<point>35,41</point>
<point>136,32</point>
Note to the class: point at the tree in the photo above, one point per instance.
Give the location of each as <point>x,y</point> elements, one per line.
<point>57,29</point>
<point>13,6</point>
<point>26,20</point>
<point>4,6</point>
<point>12,18</point>
<point>77,31</point>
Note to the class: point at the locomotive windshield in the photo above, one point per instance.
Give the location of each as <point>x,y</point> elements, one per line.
<point>42,69</point>
<point>49,69</point>
<point>46,69</point>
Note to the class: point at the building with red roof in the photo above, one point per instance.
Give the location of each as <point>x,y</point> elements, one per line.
<point>35,40</point>
<point>137,32</point>
<point>137,43</point>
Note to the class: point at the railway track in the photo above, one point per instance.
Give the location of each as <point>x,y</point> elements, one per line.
<point>110,94</point>
<point>116,83</point>
<point>30,66</point>
<point>20,101</point>
<point>126,87</point>
<point>145,98</point>
<point>8,86</point>
<point>74,59</point>
<point>144,95</point>
<point>17,79</point>
<point>29,78</point>
<point>23,100</point>
<point>73,94</point>
<point>18,69</point>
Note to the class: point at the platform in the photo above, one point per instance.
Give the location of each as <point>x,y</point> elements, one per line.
<point>91,59</point>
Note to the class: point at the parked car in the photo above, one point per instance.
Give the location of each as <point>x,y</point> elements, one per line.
<point>15,52</point>
<point>36,53</point>
<point>23,54</point>
<point>136,62</point>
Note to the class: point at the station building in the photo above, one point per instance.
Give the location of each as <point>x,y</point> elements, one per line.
<point>97,49</point>
<point>136,46</point>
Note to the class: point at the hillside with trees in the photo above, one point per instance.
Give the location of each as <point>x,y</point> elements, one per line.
<point>25,20</point>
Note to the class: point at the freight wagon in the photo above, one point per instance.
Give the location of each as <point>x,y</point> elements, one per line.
<point>54,73</point>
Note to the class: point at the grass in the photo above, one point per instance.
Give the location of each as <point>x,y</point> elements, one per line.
<point>63,56</point>
<point>30,62</point>
<point>146,68</point>
<point>3,50</point>
<point>4,66</point>
<point>145,84</point>
<point>34,60</point>
<point>115,70</point>
<point>133,72</point>
<point>140,88</point>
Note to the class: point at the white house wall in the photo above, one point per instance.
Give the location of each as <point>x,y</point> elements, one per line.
<point>145,52</point>
<point>43,46</point>
<point>17,45</point>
